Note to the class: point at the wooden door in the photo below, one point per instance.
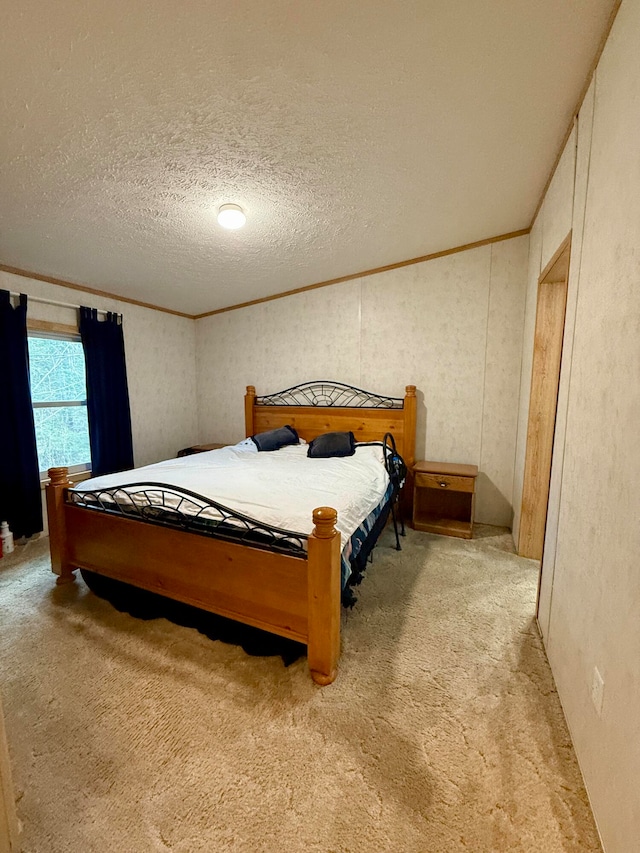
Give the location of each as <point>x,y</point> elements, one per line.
<point>8,820</point>
<point>545,376</point>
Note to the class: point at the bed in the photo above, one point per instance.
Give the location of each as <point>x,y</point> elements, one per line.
<point>285,581</point>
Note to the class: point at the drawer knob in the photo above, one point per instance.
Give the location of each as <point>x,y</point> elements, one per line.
<point>444,485</point>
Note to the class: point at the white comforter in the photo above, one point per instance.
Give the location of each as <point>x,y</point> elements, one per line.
<point>279,488</point>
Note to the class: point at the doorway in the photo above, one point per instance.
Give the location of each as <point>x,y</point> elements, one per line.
<point>545,377</point>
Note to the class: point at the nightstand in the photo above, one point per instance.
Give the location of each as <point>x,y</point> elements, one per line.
<point>199,448</point>
<point>443,498</point>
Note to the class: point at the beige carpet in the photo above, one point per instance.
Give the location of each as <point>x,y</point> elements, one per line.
<point>442,733</point>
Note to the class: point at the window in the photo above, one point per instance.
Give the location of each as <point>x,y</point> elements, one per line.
<point>59,397</point>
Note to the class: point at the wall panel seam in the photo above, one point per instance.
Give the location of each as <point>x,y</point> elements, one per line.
<point>486,352</point>
<point>360,333</point>
<point>573,337</point>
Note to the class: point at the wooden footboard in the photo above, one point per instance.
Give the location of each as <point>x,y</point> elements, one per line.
<point>293,597</point>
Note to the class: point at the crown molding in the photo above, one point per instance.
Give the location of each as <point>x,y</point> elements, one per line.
<point>84,289</point>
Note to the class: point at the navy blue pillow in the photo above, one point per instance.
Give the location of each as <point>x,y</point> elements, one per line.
<point>274,439</point>
<point>332,444</point>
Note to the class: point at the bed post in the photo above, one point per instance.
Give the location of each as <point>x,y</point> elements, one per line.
<point>56,493</point>
<point>409,445</point>
<point>323,638</point>
<point>249,403</point>
<point>409,431</point>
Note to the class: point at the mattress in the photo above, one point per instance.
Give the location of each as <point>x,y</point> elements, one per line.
<point>279,489</point>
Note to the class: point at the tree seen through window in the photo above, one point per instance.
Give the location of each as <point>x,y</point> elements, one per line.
<point>59,396</point>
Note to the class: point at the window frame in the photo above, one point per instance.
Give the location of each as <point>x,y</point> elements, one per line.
<point>59,332</point>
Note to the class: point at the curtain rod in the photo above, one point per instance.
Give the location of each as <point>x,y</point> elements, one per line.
<point>44,301</point>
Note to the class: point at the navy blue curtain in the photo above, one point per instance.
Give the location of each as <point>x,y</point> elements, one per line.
<point>20,496</point>
<point>107,393</point>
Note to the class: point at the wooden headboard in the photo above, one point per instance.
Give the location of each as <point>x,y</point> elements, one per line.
<point>317,407</point>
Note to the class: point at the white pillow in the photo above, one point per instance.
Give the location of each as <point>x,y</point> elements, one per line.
<point>246,444</point>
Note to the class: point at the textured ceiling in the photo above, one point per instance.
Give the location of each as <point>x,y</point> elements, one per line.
<point>353,134</point>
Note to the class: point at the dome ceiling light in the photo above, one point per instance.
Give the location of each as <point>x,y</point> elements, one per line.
<point>231,216</point>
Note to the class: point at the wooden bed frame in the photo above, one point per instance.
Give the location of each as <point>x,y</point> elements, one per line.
<point>286,595</point>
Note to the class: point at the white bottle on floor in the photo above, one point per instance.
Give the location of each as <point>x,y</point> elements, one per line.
<point>7,538</point>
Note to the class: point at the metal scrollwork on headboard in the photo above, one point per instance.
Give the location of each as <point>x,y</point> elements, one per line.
<point>329,394</point>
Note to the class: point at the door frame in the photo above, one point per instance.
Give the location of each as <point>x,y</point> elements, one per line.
<point>8,819</point>
<point>543,400</point>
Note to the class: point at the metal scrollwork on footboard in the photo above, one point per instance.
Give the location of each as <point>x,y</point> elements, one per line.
<point>329,394</point>
<point>159,503</point>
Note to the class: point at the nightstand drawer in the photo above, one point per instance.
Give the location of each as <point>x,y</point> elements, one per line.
<point>444,481</point>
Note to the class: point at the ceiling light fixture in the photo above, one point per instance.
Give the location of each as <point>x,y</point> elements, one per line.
<point>231,216</point>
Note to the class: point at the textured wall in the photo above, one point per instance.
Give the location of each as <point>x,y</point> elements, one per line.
<point>552,225</point>
<point>160,350</point>
<point>451,326</point>
<point>590,596</point>
<point>557,209</point>
<point>583,154</point>
<point>502,377</point>
<point>595,615</point>
<point>273,345</point>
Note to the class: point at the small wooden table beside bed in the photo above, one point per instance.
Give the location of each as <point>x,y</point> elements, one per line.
<point>190,547</point>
